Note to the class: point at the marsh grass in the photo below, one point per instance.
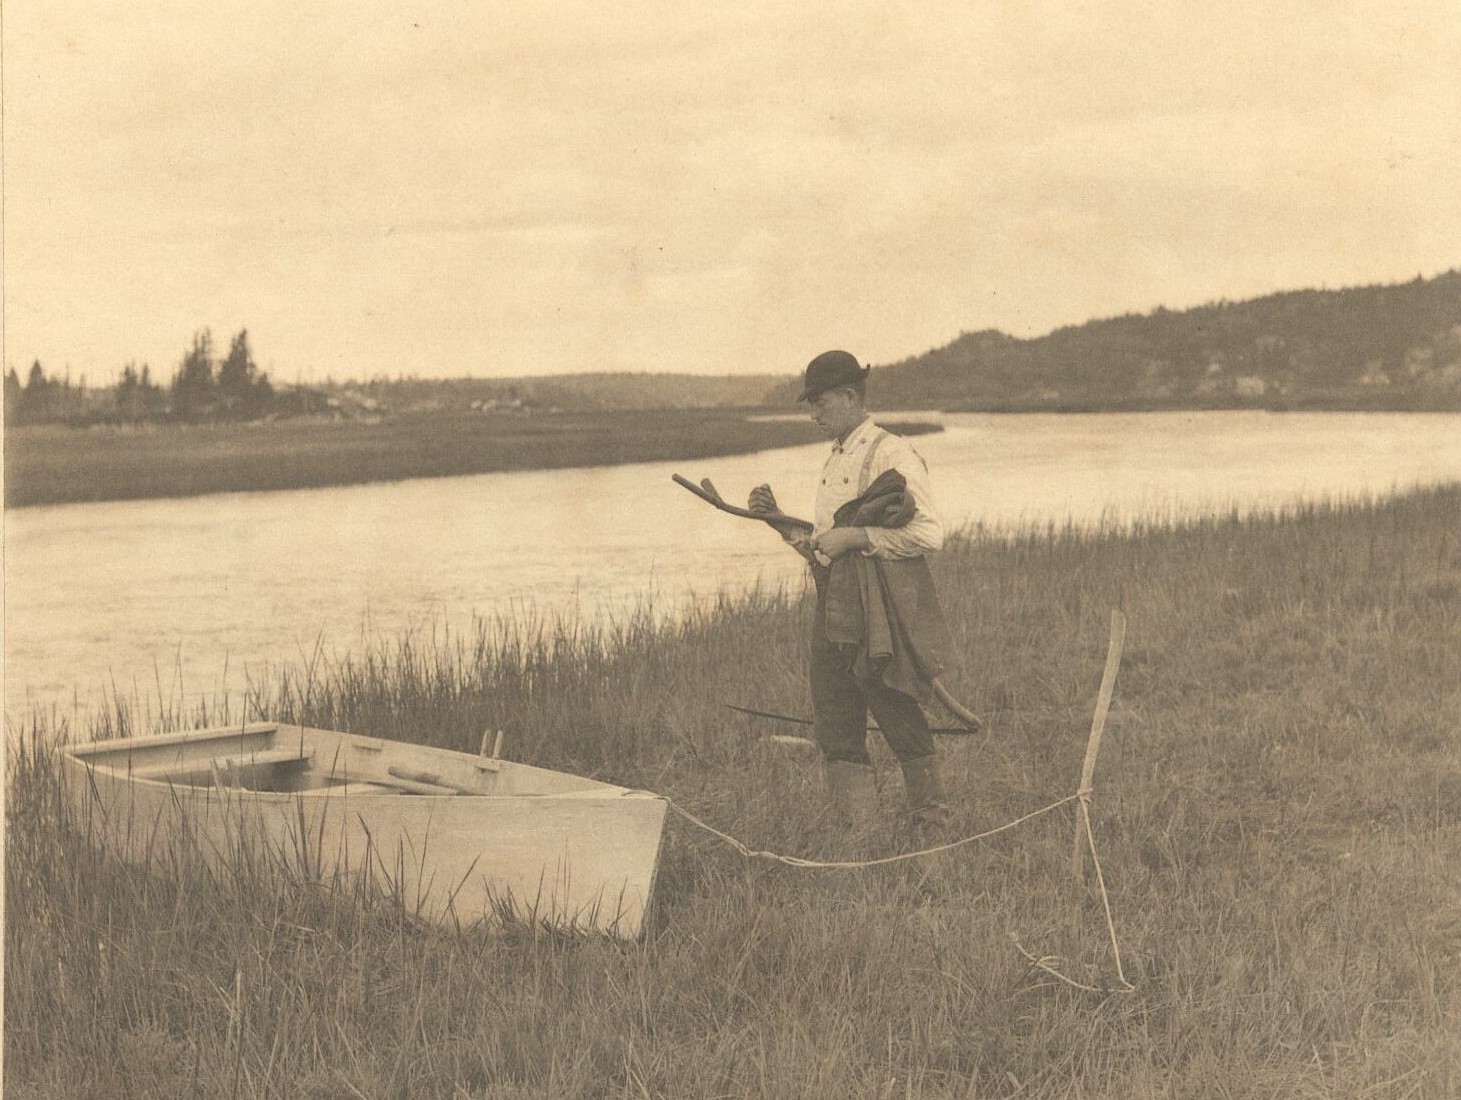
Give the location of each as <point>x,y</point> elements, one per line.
<point>1278,804</point>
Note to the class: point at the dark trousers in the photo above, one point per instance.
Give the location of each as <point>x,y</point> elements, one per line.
<point>841,701</point>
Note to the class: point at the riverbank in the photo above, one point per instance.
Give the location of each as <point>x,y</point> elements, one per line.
<point>1277,808</point>
<point>55,465</point>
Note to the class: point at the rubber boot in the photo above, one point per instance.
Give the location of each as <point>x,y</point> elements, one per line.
<point>851,793</point>
<point>924,793</point>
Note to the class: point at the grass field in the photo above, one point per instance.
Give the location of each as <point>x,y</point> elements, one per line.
<point>56,464</point>
<point>1278,811</point>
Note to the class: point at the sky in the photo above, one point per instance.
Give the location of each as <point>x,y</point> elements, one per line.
<point>450,189</point>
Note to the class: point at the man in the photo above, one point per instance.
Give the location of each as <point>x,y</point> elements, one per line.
<point>847,678</point>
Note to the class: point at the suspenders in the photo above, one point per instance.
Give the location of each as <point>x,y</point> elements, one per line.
<point>863,480</point>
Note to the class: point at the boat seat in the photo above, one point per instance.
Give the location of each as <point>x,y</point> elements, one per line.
<point>195,772</point>
<point>354,787</point>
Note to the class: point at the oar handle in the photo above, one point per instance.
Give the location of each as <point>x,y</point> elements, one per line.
<point>785,524</point>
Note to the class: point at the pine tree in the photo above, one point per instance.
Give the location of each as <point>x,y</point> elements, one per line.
<point>13,397</point>
<point>236,374</point>
<point>194,391</point>
<point>244,391</point>
<point>128,405</point>
<point>36,402</point>
<point>150,397</point>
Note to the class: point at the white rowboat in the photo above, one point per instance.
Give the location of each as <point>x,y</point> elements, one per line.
<point>463,839</point>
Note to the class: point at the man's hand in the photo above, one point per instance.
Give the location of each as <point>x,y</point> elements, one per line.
<point>840,541</point>
<point>802,544</point>
<point>762,502</point>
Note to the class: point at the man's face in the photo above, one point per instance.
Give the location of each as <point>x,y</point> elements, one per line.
<point>836,412</point>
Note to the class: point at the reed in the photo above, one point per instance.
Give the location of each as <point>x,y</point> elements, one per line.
<point>1277,805</point>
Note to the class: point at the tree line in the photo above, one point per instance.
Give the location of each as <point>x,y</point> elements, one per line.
<point>1396,346</point>
<point>203,388</point>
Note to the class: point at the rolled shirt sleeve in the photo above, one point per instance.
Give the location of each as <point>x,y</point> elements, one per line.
<point>924,533</point>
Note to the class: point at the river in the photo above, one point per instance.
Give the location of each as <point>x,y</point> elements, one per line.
<point>178,599</point>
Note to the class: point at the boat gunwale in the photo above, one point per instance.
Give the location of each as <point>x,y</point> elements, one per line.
<point>169,738</point>
<point>80,755</point>
<point>613,794</point>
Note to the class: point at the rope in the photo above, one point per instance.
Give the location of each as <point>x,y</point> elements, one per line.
<point>1044,963</point>
<point>843,865</point>
<point>1085,797</point>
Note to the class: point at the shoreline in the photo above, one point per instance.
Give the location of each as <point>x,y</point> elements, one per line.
<point>46,465</point>
<point>58,465</point>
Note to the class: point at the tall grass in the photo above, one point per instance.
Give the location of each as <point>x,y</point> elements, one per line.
<point>1278,806</point>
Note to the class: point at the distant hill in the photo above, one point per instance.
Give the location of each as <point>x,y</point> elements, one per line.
<point>1375,347</point>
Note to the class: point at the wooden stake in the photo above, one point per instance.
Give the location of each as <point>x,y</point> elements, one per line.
<point>1093,745</point>
<point>491,763</point>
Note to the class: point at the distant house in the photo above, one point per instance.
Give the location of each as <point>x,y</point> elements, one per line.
<point>495,404</point>
<point>301,401</point>
<point>1419,361</point>
<point>1374,374</point>
<point>1448,378</point>
<point>1155,382</point>
<point>502,404</point>
<point>358,401</point>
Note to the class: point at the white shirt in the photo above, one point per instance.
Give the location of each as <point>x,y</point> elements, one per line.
<point>842,479</point>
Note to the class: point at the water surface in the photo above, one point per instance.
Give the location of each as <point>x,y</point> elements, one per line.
<point>180,598</point>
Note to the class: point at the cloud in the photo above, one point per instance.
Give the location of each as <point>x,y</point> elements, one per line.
<point>463,187</point>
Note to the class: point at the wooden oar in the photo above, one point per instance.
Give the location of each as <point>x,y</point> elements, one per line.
<point>784,524</point>
<point>943,731</point>
<point>793,529</point>
<point>420,782</point>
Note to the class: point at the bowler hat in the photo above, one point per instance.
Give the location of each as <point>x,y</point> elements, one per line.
<point>830,370</point>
